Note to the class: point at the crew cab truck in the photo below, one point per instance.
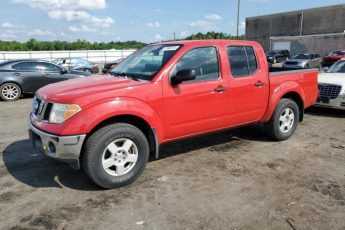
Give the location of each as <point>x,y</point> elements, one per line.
<point>110,125</point>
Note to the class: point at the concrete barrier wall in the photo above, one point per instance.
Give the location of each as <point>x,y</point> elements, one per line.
<point>314,44</point>
<point>97,56</point>
<point>317,21</point>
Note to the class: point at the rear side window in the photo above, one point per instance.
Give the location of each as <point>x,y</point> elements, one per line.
<point>203,60</point>
<point>243,60</point>
<point>25,66</point>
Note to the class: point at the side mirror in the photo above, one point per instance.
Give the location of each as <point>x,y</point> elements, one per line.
<point>64,71</point>
<point>183,75</point>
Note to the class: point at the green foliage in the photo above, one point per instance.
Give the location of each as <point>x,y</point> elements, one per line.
<point>35,45</point>
<point>214,35</point>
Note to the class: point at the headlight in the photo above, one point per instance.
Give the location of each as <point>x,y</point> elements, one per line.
<point>62,112</point>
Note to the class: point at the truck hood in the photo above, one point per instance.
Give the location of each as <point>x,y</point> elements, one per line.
<point>332,78</point>
<point>87,90</point>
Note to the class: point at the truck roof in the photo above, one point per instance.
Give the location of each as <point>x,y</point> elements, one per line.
<point>209,42</point>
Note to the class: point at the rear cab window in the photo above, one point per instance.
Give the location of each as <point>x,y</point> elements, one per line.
<point>243,61</point>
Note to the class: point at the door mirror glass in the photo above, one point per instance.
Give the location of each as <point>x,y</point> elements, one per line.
<point>183,75</point>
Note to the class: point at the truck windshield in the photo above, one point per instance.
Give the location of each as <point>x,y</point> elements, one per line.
<point>145,63</point>
<point>338,67</point>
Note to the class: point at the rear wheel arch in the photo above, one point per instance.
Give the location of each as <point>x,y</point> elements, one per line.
<point>296,97</point>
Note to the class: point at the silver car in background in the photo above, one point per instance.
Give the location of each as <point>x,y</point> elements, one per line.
<point>303,61</point>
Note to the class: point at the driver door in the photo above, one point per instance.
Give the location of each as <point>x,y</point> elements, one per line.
<point>198,105</point>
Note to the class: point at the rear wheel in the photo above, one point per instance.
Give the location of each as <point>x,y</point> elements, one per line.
<point>284,120</point>
<point>10,92</point>
<point>88,70</point>
<point>115,155</point>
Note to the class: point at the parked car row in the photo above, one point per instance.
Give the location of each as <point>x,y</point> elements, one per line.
<point>78,64</point>
<point>27,76</point>
<point>19,77</point>
<point>304,60</point>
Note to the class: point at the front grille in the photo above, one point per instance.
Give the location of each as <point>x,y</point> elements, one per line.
<point>329,91</point>
<point>41,109</point>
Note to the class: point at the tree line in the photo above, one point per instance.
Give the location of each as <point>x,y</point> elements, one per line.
<point>36,45</point>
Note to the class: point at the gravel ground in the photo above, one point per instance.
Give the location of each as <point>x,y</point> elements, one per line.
<point>237,179</point>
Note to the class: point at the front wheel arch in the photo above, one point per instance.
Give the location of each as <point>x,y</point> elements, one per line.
<point>140,123</point>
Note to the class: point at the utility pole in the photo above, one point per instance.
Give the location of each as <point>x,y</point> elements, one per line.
<point>238,16</point>
<point>174,36</point>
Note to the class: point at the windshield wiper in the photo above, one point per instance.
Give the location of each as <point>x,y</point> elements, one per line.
<point>127,75</point>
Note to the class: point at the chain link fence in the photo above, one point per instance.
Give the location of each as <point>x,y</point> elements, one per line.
<point>96,56</point>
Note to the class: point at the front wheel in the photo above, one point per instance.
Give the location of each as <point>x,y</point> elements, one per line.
<point>10,92</point>
<point>284,120</point>
<point>115,155</point>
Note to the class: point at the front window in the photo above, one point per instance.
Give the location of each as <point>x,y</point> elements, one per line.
<point>204,60</point>
<point>145,63</point>
<point>338,67</point>
<point>47,67</point>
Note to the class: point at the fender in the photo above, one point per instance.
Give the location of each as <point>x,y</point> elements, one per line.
<point>278,93</point>
<point>95,113</point>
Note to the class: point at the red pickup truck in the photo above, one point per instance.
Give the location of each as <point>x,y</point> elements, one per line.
<point>111,124</point>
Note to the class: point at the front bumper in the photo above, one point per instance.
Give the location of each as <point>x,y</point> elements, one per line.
<point>63,148</point>
<point>338,103</point>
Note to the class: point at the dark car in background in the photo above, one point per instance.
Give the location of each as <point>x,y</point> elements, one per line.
<point>275,56</point>
<point>77,64</point>
<point>110,65</point>
<point>27,76</point>
<point>333,57</point>
<point>303,61</point>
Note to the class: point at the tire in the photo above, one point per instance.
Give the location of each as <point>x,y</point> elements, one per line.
<point>306,66</point>
<point>10,92</point>
<point>88,70</point>
<point>105,149</point>
<point>280,127</point>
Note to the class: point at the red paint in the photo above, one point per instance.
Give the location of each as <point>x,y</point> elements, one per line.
<point>184,110</point>
<point>330,60</point>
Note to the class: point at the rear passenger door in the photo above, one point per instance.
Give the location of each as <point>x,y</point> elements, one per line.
<point>248,86</point>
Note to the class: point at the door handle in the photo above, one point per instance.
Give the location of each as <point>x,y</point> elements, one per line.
<point>16,74</point>
<point>220,89</point>
<point>259,84</point>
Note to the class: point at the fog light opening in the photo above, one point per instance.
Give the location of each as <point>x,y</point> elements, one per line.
<point>51,147</point>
